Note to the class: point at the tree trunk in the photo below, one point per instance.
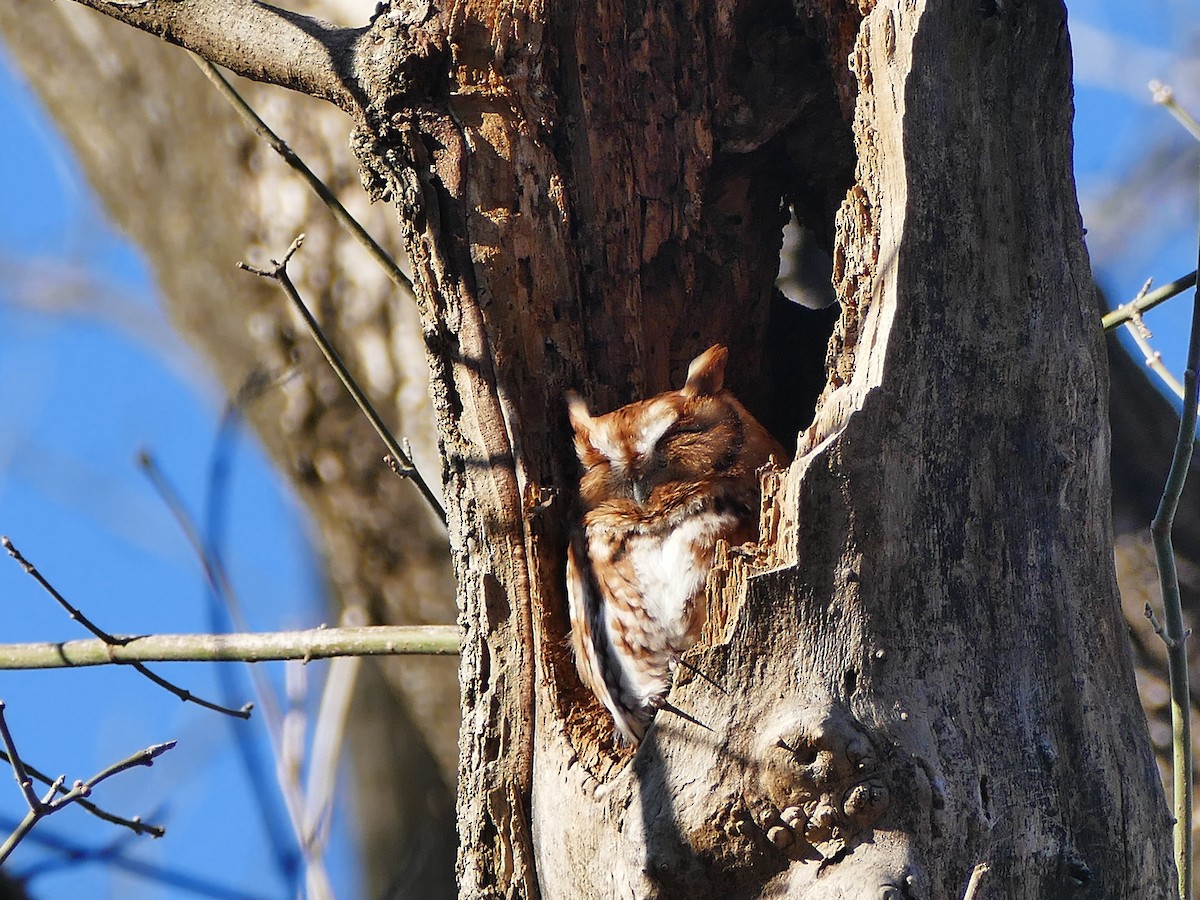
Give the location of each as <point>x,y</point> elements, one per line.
<point>937,651</point>
<point>923,684</point>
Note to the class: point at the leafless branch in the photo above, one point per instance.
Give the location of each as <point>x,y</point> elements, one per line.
<point>56,798</point>
<point>405,466</point>
<point>134,824</point>
<point>316,643</point>
<point>113,644</point>
<point>254,39</point>
<point>1128,311</point>
<point>214,573</point>
<point>318,187</point>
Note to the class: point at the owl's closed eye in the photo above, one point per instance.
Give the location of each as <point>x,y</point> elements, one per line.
<point>663,480</point>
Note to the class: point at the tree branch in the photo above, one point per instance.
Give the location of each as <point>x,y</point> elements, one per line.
<point>111,641</point>
<point>316,643</point>
<point>401,460</point>
<point>1125,313</point>
<point>253,39</point>
<point>318,187</point>
<point>56,798</point>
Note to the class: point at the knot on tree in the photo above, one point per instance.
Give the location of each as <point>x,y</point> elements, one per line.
<point>822,783</point>
<point>402,55</point>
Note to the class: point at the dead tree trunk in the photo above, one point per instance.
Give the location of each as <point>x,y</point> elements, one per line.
<point>934,676</point>
<point>929,690</point>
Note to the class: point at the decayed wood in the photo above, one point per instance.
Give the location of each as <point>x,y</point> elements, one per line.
<point>941,680</point>
<point>574,223</point>
<point>972,580</point>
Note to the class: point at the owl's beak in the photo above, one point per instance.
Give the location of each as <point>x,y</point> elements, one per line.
<point>640,491</point>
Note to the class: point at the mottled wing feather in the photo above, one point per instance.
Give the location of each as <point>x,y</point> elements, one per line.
<point>589,637</point>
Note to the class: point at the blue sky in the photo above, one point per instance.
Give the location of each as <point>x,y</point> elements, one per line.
<point>81,397</point>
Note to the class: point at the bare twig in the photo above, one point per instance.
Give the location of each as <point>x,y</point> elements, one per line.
<point>407,468</point>
<point>114,860</point>
<point>316,643</point>
<point>113,644</point>
<point>214,574</point>
<point>14,760</point>
<point>329,737</point>
<point>1154,362</point>
<point>134,824</point>
<point>219,584</point>
<point>224,607</point>
<point>1123,314</point>
<point>55,798</point>
<point>1157,625</point>
<point>1173,628</point>
<point>290,764</point>
<point>1141,336</point>
<point>340,213</point>
<point>1165,96</point>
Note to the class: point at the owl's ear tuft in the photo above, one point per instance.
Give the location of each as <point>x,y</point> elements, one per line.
<point>706,374</point>
<point>582,423</point>
<point>581,419</point>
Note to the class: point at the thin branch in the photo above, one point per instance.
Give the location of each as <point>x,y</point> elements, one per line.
<point>214,574</point>
<point>1165,96</point>
<point>1173,627</point>
<point>113,859</point>
<point>316,643</point>
<point>224,607</point>
<point>276,143</point>
<point>290,762</point>
<point>56,798</point>
<point>14,760</point>
<point>113,644</point>
<point>134,823</point>
<point>1141,336</point>
<point>407,468</point>
<point>141,758</point>
<point>1154,361</point>
<point>329,737</point>
<point>1123,314</point>
<point>254,39</point>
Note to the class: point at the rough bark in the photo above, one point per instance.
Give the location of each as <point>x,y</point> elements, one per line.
<point>938,660</point>
<point>928,649</point>
<point>574,222</point>
<point>931,688</point>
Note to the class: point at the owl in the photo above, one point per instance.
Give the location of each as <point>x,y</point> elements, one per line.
<point>663,480</point>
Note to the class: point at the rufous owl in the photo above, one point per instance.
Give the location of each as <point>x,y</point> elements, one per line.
<point>663,481</point>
